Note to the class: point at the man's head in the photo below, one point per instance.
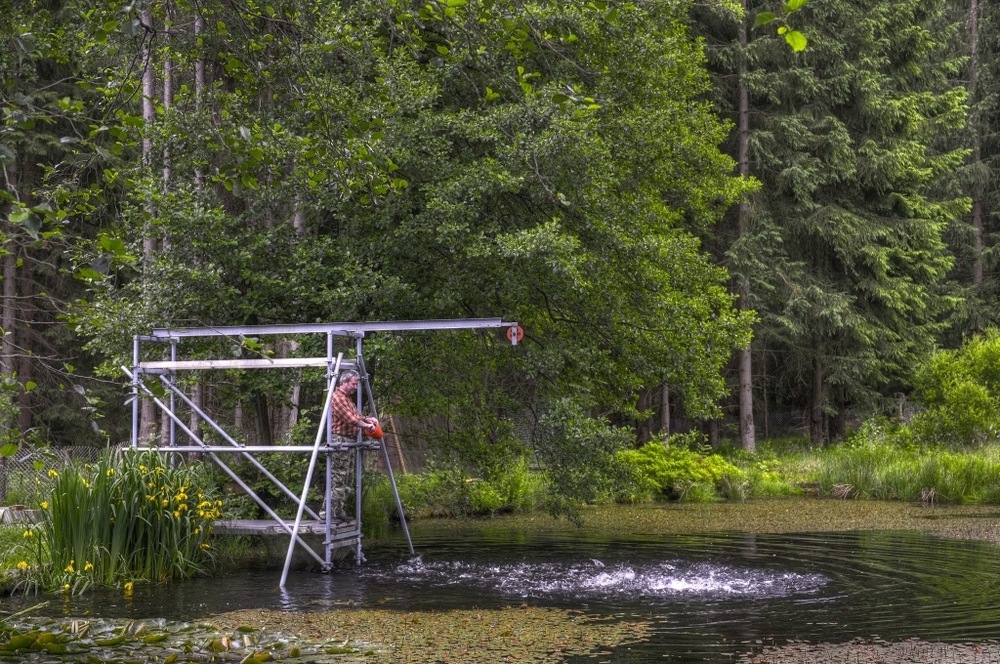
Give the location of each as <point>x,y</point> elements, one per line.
<point>348,381</point>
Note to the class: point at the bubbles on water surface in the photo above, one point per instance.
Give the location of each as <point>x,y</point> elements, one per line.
<point>594,579</point>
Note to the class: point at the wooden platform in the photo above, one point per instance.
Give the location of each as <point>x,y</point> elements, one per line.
<point>339,529</point>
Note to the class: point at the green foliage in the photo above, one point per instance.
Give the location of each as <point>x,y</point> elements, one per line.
<point>843,250</point>
<point>11,536</point>
<point>542,161</point>
<point>449,492</point>
<point>961,477</point>
<point>795,39</point>
<point>766,478</point>
<point>666,470</point>
<point>874,471</point>
<point>436,492</point>
<point>579,455</point>
<point>882,461</point>
<point>960,390</point>
<point>127,518</point>
<point>484,498</point>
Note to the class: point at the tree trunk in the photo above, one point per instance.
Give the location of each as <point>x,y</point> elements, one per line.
<point>198,399</point>
<point>7,315</point>
<point>147,427</point>
<point>817,430</point>
<point>714,434</point>
<point>665,410</point>
<point>838,427</point>
<point>748,435</point>
<point>643,428</point>
<point>261,419</point>
<point>8,319</point>
<point>977,189</point>
<point>287,413</point>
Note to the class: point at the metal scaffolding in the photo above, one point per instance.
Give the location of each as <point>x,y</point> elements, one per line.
<point>336,533</point>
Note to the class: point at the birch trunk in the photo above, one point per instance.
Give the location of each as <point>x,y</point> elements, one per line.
<point>147,426</point>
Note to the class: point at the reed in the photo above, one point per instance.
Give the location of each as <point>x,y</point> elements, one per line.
<point>880,470</point>
<point>127,518</point>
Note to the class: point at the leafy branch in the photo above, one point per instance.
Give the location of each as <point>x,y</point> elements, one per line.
<point>795,39</point>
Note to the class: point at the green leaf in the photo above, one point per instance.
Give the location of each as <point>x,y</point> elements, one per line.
<point>111,245</point>
<point>88,274</point>
<point>796,40</point>
<point>794,5</point>
<point>8,450</point>
<point>763,18</point>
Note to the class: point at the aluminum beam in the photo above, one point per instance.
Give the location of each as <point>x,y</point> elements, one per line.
<point>335,328</point>
<point>249,363</point>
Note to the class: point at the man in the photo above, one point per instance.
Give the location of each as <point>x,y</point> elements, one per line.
<point>346,420</point>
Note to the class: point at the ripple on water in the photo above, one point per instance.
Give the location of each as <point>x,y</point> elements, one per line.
<point>593,579</point>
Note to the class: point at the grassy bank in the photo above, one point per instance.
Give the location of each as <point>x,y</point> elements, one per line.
<point>870,466</point>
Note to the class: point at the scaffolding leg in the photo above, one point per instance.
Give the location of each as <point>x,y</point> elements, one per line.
<point>385,456</point>
<point>395,494</point>
<point>359,557</point>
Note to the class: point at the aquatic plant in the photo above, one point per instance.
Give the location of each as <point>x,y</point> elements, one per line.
<point>95,640</point>
<point>129,517</point>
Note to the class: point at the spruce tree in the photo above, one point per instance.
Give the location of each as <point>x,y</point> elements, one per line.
<point>843,251</point>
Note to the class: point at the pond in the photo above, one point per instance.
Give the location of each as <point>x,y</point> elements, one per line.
<point>703,597</point>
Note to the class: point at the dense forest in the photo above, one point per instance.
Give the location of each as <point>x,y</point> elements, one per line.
<point>686,215</point>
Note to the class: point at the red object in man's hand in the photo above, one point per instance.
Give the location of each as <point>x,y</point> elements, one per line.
<point>375,432</point>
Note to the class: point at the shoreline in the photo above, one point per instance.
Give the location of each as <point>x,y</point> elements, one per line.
<point>796,514</point>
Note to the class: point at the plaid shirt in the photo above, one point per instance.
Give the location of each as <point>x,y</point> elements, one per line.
<point>344,410</point>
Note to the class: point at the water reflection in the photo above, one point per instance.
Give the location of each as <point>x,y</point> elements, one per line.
<point>708,596</point>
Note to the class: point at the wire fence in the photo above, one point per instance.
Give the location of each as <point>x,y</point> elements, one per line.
<point>25,478</point>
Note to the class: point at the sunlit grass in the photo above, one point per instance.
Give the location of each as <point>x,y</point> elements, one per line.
<point>10,539</point>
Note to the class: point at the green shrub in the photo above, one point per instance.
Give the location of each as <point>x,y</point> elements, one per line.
<point>960,390</point>
<point>584,449</point>
<point>517,487</point>
<point>766,481</point>
<point>436,492</point>
<point>658,470</point>
<point>449,492</point>
<point>699,492</point>
<point>484,497</point>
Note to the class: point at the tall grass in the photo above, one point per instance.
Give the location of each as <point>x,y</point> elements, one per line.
<point>883,471</point>
<point>122,520</point>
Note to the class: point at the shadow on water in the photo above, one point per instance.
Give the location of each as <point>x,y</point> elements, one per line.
<point>707,597</point>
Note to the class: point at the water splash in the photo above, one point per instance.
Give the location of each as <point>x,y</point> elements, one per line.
<point>594,579</point>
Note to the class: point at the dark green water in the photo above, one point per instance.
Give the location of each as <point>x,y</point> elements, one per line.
<point>708,597</point>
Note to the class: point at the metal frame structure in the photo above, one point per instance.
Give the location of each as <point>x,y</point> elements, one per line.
<point>336,535</point>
